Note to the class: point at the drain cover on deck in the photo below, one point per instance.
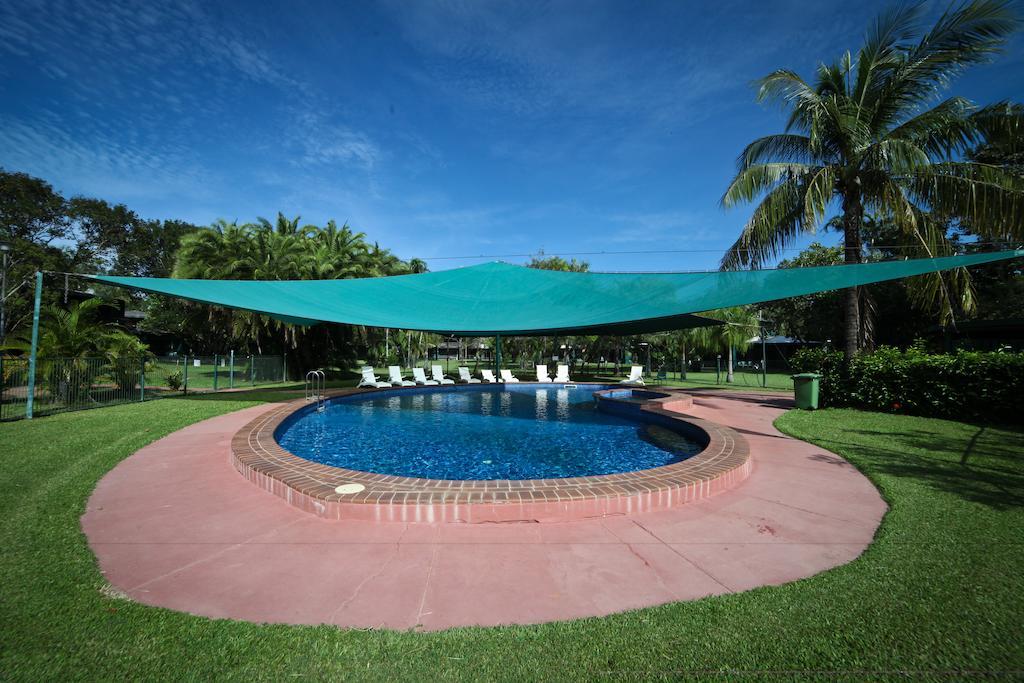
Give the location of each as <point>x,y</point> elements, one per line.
<point>349,488</point>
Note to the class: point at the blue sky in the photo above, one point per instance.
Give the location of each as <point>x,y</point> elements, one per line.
<point>438,128</point>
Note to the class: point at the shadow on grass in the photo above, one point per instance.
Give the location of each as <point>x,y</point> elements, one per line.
<point>986,470</point>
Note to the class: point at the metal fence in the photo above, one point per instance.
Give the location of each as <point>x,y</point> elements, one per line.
<point>219,372</point>
<point>65,384</point>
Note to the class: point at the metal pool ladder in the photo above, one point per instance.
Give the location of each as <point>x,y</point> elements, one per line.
<point>316,381</point>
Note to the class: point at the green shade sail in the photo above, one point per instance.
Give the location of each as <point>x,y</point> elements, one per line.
<point>500,298</point>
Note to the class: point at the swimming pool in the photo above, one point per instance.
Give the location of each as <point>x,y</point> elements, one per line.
<point>480,432</point>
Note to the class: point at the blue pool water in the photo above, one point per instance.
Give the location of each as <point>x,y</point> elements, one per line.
<point>479,432</point>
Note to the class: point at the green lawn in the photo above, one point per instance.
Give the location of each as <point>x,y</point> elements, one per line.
<point>940,590</point>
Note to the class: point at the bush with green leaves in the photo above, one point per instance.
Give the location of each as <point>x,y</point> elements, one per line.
<point>963,385</point>
<point>174,380</point>
<point>127,358</point>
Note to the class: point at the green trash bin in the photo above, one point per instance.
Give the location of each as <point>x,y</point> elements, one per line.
<point>805,390</point>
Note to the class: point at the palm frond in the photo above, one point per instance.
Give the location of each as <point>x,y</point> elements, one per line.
<point>882,44</point>
<point>780,217</point>
<point>831,80</point>
<point>783,148</point>
<point>1001,129</point>
<point>946,129</point>
<point>1000,120</point>
<point>990,198</point>
<point>968,34</point>
<point>895,156</point>
<point>788,89</point>
<point>751,182</point>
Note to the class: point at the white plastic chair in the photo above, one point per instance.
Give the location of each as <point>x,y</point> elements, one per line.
<point>466,378</point>
<point>488,376</point>
<point>438,375</point>
<point>420,378</point>
<point>542,374</point>
<point>636,376</point>
<point>507,377</point>
<point>396,379</point>
<point>370,380</point>
<point>562,375</point>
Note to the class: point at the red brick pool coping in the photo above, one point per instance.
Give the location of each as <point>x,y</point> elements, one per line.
<point>309,486</point>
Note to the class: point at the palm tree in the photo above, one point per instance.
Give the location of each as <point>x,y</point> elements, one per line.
<point>125,354</point>
<point>283,251</point>
<point>738,324</point>
<point>867,135</point>
<point>69,341</point>
<point>338,252</point>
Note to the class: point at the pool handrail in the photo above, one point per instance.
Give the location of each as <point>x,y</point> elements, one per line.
<point>314,388</point>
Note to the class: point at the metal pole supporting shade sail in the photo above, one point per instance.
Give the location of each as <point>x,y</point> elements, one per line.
<point>498,298</point>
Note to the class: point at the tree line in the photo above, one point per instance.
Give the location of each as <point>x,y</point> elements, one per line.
<point>44,230</point>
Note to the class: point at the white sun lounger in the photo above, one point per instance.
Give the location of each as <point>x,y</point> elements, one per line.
<point>421,378</point>
<point>466,378</point>
<point>508,377</point>
<point>562,376</point>
<point>636,376</point>
<point>438,376</point>
<point>542,374</point>
<point>488,376</point>
<point>395,377</point>
<point>370,380</point>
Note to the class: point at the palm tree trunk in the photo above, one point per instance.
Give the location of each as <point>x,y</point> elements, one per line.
<point>728,375</point>
<point>853,213</point>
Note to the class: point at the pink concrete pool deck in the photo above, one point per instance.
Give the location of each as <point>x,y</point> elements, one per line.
<point>176,526</point>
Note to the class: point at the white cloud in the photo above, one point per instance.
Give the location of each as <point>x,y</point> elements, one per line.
<point>325,142</point>
<point>99,163</point>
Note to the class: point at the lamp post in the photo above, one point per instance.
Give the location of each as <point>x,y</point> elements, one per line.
<point>4,248</point>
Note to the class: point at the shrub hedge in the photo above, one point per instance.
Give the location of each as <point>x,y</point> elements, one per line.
<point>964,385</point>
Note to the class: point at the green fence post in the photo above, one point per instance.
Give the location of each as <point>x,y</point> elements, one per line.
<point>252,370</point>
<point>718,369</point>
<point>34,348</point>
<point>142,379</point>
<point>764,359</point>
<point>216,364</point>
<point>184,379</point>
<point>231,370</point>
